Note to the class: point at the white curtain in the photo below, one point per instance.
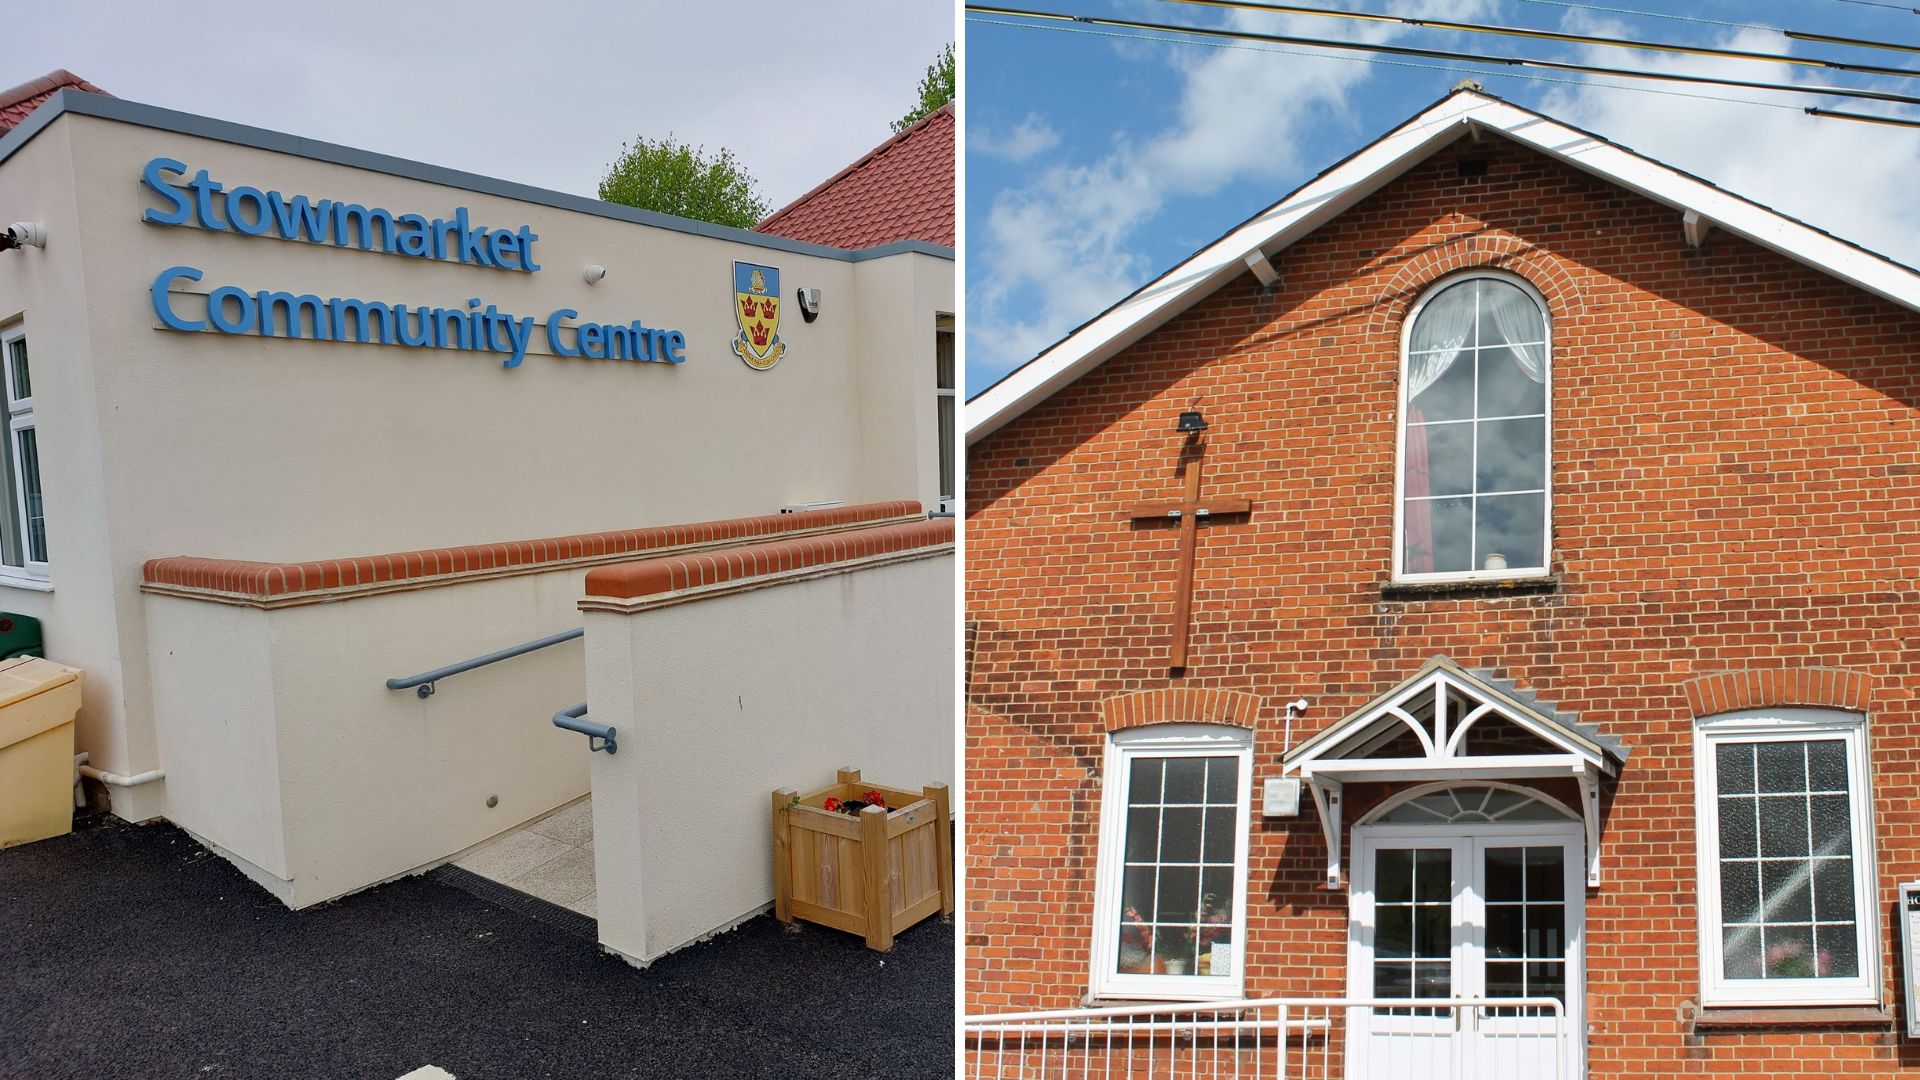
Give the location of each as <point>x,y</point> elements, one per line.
<point>1518,319</point>
<point>1439,335</point>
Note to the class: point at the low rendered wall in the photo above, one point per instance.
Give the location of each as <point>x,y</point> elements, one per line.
<point>285,750</point>
<point>728,679</point>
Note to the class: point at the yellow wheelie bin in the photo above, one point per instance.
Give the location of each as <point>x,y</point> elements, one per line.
<point>38,701</point>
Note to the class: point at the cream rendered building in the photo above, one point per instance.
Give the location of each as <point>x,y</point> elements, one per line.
<point>167,426</point>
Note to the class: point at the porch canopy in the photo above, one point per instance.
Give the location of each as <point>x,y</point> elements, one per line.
<point>1449,723</point>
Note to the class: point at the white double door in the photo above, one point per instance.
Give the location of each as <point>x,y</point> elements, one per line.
<point>1480,912</point>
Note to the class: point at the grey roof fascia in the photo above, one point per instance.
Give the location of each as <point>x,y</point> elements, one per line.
<point>79,102</point>
<point>901,247</point>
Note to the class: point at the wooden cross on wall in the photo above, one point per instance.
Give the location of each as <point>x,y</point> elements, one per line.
<point>1191,512</point>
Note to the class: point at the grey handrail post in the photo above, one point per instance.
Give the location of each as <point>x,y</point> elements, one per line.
<point>570,720</point>
<point>425,680</point>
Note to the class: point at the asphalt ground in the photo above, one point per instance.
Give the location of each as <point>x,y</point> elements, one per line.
<point>133,952</point>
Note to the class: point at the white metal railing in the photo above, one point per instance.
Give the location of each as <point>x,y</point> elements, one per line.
<point>1279,1038</point>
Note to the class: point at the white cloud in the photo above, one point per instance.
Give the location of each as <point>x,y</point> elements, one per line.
<point>1061,248</point>
<point>1854,180</point>
<point>542,94</point>
<point>1028,138</point>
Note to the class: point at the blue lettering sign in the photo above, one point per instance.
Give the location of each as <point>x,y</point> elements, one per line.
<point>205,202</point>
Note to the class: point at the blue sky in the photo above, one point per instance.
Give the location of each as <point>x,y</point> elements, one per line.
<point>1095,162</point>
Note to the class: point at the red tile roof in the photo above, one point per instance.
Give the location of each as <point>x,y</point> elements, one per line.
<point>16,103</point>
<point>901,190</point>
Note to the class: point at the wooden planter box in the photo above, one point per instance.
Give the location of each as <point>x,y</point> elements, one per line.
<point>874,875</point>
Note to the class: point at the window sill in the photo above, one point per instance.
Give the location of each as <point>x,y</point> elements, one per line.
<point>15,581</point>
<point>1469,588</point>
<point>1746,1019</point>
<point>1126,998</point>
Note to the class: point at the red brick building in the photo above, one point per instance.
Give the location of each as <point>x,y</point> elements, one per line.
<point>1578,501</point>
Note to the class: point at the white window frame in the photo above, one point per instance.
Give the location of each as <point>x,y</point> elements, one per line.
<point>1400,573</point>
<point>31,574</point>
<point>950,396</point>
<point>1165,740</point>
<point>1786,725</point>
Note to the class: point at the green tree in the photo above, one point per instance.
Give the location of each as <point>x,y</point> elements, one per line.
<point>673,178</point>
<point>936,89</point>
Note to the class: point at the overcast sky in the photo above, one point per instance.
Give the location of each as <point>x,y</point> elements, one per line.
<point>541,93</point>
<point>1096,161</point>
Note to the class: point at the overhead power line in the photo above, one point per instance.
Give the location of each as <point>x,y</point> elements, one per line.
<point>1879,4</point>
<point>1865,118</point>
<point>1797,35</point>
<point>1533,34</point>
<point>1825,114</point>
<point>1438,54</point>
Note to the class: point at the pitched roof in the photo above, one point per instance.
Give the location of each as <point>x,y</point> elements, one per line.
<point>1373,167</point>
<point>900,190</point>
<point>16,103</point>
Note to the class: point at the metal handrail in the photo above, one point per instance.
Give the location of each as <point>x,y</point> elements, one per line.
<point>425,680</point>
<point>570,720</point>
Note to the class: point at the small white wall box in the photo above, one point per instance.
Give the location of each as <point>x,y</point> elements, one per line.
<point>1909,942</point>
<point>1281,797</point>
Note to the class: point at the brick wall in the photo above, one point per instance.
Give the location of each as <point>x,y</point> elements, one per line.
<point>1735,450</point>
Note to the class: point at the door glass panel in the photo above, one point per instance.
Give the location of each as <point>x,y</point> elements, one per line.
<point>1526,933</point>
<point>1506,873</point>
<point>1393,876</point>
<point>1433,876</point>
<point>1413,923</point>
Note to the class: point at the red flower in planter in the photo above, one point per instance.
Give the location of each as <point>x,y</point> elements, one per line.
<point>873,799</point>
<point>832,804</point>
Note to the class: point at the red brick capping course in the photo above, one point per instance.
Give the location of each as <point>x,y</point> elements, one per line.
<point>1174,705</point>
<point>753,564</point>
<point>278,584</point>
<point>1766,688</point>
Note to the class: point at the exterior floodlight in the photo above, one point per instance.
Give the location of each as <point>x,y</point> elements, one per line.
<point>809,304</point>
<point>1191,422</point>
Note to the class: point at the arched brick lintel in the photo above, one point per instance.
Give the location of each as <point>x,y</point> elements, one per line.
<point>1767,688</point>
<point>1491,250</point>
<point>1181,705</point>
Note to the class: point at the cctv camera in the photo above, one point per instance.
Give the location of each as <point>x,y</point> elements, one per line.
<point>809,304</point>
<point>25,234</point>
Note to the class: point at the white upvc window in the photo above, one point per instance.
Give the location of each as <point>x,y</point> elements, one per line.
<point>1473,494</point>
<point>946,401</point>
<point>23,521</point>
<point>1787,895</point>
<point>1170,902</point>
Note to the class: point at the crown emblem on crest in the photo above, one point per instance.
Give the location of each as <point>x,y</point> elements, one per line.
<point>756,311</point>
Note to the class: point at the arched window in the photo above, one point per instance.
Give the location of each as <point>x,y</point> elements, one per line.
<point>1444,804</point>
<point>1474,470</point>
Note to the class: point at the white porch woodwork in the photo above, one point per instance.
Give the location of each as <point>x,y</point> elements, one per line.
<point>1435,714</point>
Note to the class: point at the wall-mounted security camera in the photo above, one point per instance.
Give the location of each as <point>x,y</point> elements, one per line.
<point>809,304</point>
<point>594,274</point>
<point>23,234</point>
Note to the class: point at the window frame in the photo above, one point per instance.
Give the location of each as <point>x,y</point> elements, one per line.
<point>31,573</point>
<point>1785,725</point>
<point>1400,574</point>
<point>946,463</point>
<point>1165,740</point>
